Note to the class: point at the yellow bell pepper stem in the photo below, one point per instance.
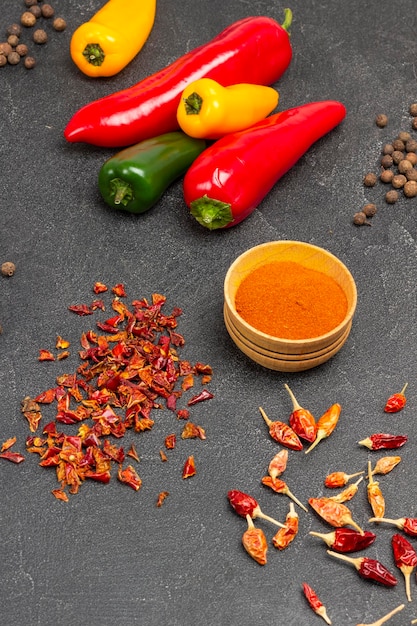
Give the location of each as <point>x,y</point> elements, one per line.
<point>207,110</point>
<point>105,44</point>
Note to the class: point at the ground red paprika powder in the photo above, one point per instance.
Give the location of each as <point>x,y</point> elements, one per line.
<point>285,299</point>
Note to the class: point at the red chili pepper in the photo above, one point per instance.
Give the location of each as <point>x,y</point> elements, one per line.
<point>245,504</point>
<point>407,524</point>
<point>369,569</point>
<point>347,493</point>
<point>282,433</point>
<point>346,539</point>
<point>396,402</point>
<point>405,558</point>
<point>301,420</point>
<point>278,464</point>
<point>339,479</point>
<point>384,441</point>
<point>284,536</point>
<point>225,184</point>
<point>315,603</point>
<point>334,513</point>
<point>254,542</point>
<point>374,493</point>
<point>253,50</point>
<point>326,424</point>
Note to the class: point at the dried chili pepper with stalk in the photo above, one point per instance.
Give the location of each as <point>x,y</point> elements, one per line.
<point>407,524</point>
<point>386,464</point>
<point>284,536</point>
<point>254,542</point>
<point>280,486</point>
<point>346,539</point>
<point>386,617</point>
<point>326,424</point>
<point>405,558</point>
<point>301,420</point>
<point>282,433</point>
<point>348,493</point>
<point>315,603</point>
<point>396,402</point>
<point>369,569</point>
<point>339,479</point>
<point>278,464</point>
<point>375,497</point>
<point>334,513</point>
<point>245,504</point>
<point>383,441</point>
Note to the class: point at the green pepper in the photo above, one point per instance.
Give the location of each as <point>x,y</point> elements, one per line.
<point>135,178</point>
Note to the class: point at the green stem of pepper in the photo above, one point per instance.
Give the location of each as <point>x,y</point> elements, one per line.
<point>193,104</point>
<point>211,213</point>
<point>94,54</point>
<point>287,20</point>
<point>122,191</point>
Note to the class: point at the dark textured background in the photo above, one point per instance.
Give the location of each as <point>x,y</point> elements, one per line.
<point>109,556</point>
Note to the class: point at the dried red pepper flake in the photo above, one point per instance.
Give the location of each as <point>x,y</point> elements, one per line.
<point>46,397</point>
<point>133,453</point>
<point>129,477</point>
<point>119,290</point>
<point>161,498</point>
<point>99,287</point>
<point>63,355</point>
<point>183,414</point>
<point>8,444</point>
<point>192,431</point>
<point>14,457</point>
<point>189,468</point>
<point>163,456</point>
<point>60,495</point>
<point>45,355</point>
<point>80,309</point>
<point>31,410</point>
<point>170,441</point>
<point>97,304</point>
<point>200,397</point>
<point>61,344</point>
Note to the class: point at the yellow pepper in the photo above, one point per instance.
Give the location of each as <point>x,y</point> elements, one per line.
<point>105,44</point>
<point>207,110</point>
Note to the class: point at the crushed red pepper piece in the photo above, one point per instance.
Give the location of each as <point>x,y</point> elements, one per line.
<point>161,498</point>
<point>61,344</point>
<point>192,431</point>
<point>200,397</point>
<point>8,443</point>
<point>60,495</point>
<point>119,290</point>
<point>189,468</point>
<point>132,453</point>
<point>45,355</point>
<point>14,457</point>
<point>163,456</point>
<point>99,287</point>
<point>129,477</point>
<point>170,441</point>
<point>31,410</point>
<point>80,309</point>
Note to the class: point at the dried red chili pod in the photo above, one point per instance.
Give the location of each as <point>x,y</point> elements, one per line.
<point>369,569</point>
<point>339,479</point>
<point>282,433</point>
<point>279,486</point>
<point>284,536</point>
<point>346,539</point>
<point>405,558</point>
<point>383,441</point>
<point>254,542</point>
<point>315,603</point>
<point>396,402</point>
<point>407,524</point>
<point>335,513</point>
<point>245,504</point>
<point>375,497</point>
<point>347,493</point>
<point>385,618</point>
<point>386,464</point>
<point>278,464</point>
<point>301,420</point>
<point>326,424</point>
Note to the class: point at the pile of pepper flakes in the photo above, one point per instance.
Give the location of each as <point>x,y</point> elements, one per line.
<point>128,370</point>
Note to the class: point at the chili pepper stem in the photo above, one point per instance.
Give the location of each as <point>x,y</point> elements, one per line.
<point>287,20</point>
<point>388,616</point>
<point>323,614</point>
<point>315,442</point>
<point>384,519</point>
<point>266,418</point>
<point>295,404</point>
<point>356,561</point>
<point>296,500</point>
<point>262,515</point>
<point>407,571</point>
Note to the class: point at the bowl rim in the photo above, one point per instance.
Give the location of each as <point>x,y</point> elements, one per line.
<point>272,338</point>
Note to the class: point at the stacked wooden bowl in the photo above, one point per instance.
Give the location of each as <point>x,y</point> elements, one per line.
<point>287,355</point>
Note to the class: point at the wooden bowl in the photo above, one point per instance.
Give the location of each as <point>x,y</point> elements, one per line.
<point>279,353</point>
